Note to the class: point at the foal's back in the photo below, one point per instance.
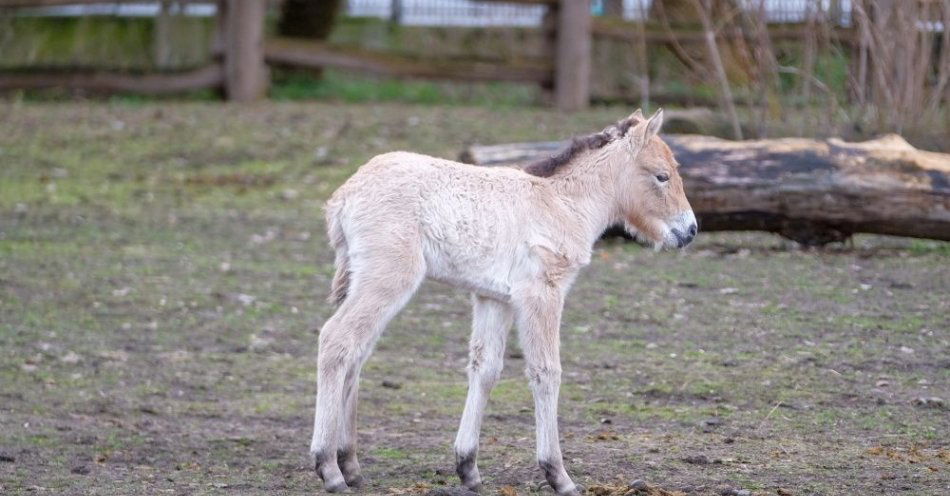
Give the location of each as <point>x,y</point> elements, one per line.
<point>447,202</point>
<point>467,223</point>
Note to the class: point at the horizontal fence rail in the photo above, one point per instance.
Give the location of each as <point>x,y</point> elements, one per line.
<point>563,44</point>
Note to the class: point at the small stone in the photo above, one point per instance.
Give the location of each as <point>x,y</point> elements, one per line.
<point>321,154</point>
<point>70,358</point>
<point>606,420</point>
<point>450,491</point>
<point>259,343</point>
<point>80,469</point>
<point>929,402</point>
<point>697,460</point>
<point>907,350</point>
<point>289,194</point>
<point>245,299</point>
<point>639,485</point>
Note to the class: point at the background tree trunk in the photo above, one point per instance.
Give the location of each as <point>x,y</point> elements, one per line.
<point>311,19</point>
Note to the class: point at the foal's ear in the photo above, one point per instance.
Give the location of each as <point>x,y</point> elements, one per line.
<point>636,117</point>
<point>645,130</point>
<point>654,124</point>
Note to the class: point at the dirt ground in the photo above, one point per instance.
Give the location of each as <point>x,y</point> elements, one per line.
<point>163,269</point>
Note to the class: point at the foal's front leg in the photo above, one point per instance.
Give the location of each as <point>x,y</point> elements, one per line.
<point>491,321</point>
<point>539,320</point>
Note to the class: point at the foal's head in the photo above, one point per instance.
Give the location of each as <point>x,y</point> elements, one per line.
<point>650,190</point>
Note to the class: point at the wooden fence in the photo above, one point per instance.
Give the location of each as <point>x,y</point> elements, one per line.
<point>242,54</point>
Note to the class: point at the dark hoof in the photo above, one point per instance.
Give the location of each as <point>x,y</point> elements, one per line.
<point>339,487</point>
<point>354,481</point>
<point>577,491</point>
<point>329,473</point>
<point>473,487</point>
<point>468,472</point>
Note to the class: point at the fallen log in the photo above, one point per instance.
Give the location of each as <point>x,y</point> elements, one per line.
<point>813,192</point>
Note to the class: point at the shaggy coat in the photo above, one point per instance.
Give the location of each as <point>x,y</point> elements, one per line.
<point>513,238</point>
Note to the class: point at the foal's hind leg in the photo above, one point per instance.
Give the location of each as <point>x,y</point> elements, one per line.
<point>346,453</point>
<point>491,321</point>
<point>345,342</point>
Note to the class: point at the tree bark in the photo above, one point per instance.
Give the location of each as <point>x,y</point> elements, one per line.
<point>572,71</point>
<point>246,75</point>
<point>813,192</point>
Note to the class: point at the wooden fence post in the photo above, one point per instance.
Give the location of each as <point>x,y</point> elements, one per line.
<point>245,73</point>
<point>572,58</point>
<point>162,36</point>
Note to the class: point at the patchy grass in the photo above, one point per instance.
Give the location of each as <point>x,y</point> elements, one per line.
<point>354,88</point>
<point>162,275</point>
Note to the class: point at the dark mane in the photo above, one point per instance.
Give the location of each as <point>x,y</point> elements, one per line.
<point>548,166</point>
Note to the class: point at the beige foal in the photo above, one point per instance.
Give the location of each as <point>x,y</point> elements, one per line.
<point>514,238</point>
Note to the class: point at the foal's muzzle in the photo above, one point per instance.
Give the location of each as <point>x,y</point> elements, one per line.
<point>683,229</point>
<point>685,238</point>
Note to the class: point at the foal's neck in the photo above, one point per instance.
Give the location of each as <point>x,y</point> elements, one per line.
<point>589,184</point>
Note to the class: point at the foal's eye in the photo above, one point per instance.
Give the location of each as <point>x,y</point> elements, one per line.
<point>663,177</point>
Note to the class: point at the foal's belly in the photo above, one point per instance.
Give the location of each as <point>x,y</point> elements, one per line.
<point>483,268</point>
<point>489,277</point>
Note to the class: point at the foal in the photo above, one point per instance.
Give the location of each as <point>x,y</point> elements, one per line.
<point>514,238</point>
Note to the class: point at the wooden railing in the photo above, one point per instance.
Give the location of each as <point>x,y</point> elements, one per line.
<point>238,65</point>
<point>567,25</point>
<point>241,55</point>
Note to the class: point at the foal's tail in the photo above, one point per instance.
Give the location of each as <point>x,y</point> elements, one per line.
<point>341,280</point>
